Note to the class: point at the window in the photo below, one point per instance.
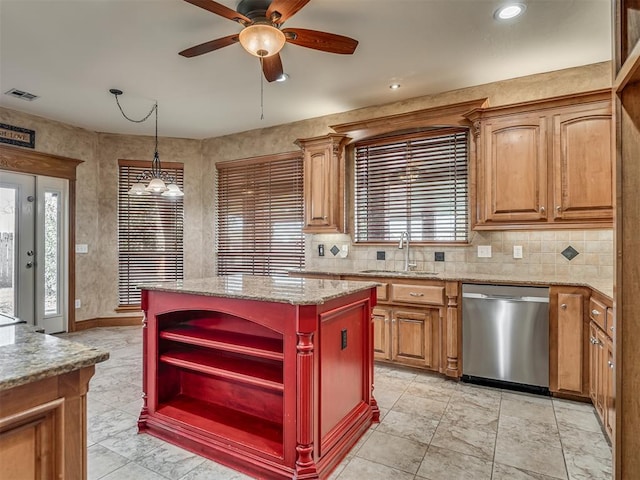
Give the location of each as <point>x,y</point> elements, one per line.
<point>150,233</point>
<point>260,215</point>
<point>416,182</point>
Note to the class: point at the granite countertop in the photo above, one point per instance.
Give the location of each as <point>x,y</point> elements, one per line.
<point>605,288</point>
<point>27,356</point>
<point>292,290</point>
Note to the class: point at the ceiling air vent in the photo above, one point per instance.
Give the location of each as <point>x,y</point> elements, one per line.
<point>14,92</point>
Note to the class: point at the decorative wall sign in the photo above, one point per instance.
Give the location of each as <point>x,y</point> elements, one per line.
<point>22,137</point>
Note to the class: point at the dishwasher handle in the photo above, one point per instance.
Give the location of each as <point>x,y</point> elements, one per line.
<point>509,298</point>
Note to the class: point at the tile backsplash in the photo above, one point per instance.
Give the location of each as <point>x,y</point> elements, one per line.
<point>541,254</point>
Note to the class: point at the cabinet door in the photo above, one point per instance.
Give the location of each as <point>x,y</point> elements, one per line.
<point>569,363</point>
<point>324,183</point>
<point>582,163</point>
<point>597,362</point>
<point>594,363</point>
<point>382,333</point>
<point>610,396</point>
<point>414,337</point>
<point>603,371</point>
<point>514,187</point>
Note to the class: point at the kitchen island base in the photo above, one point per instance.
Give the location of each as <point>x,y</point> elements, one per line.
<point>275,390</point>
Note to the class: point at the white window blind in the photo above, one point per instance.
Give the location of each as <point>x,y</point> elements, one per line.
<point>150,232</point>
<point>415,182</point>
<point>260,215</point>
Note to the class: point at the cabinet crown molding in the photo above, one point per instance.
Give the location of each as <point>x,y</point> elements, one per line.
<point>447,115</point>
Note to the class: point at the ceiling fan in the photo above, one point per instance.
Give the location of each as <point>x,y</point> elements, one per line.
<point>263,35</point>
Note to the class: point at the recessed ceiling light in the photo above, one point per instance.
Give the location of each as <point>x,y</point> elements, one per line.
<point>282,78</point>
<point>509,11</point>
<point>394,86</point>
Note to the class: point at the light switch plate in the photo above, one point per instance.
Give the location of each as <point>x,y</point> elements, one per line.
<point>484,251</point>
<point>82,248</point>
<point>517,251</point>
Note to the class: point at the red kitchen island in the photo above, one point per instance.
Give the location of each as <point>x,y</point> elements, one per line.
<point>272,376</point>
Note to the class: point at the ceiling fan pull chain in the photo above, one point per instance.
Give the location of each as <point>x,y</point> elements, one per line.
<point>261,89</point>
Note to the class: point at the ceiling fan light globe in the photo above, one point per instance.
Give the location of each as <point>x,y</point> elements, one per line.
<point>262,40</point>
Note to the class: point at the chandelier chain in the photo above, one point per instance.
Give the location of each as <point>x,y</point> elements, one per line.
<point>155,107</point>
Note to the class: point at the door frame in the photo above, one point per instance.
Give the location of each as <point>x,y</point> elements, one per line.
<point>20,160</point>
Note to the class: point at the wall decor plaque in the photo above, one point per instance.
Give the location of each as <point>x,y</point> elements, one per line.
<point>22,137</point>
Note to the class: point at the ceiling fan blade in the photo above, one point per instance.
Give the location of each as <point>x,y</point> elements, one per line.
<point>210,46</point>
<point>272,67</point>
<point>327,42</point>
<point>286,8</point>
<point>218,9</point>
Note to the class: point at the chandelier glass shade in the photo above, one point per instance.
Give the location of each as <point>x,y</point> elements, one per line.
<point>262,40</point>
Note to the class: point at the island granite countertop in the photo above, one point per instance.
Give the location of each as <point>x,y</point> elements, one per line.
<point>292,290</point>
<point>603,287</point>
<point>27,356</point>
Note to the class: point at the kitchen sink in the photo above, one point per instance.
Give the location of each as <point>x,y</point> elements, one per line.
<point>411,273</point>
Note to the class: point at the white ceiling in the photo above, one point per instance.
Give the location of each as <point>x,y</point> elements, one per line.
<point>71,52</point>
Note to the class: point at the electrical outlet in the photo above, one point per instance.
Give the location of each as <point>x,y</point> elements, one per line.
<point>484,251</point>
<point>78,303</point>
<point>82,248</point>
<point>517,251</point>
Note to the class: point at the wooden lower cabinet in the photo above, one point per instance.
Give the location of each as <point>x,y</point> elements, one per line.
<point>568,355</point>
<point>597,355</point>
<point>415,337</point>
<point>43,428</point>
<point>382,333</point>
<point>610,395</point>
<point>602,363</point>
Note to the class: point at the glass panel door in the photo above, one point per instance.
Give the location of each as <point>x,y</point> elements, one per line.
<point>17,246</point>
<point>51,275</point>
<point>33,246</point>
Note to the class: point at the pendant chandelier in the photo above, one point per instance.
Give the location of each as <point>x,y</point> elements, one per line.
<point>159,181</point>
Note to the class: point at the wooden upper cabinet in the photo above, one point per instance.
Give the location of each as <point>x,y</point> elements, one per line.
<point>515,169</point>
<point>583,167</point>
<point>324,183</point>
<point>545,164</point>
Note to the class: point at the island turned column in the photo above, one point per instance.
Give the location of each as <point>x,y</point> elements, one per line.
<point>305,465</point>
<point>278,387</point>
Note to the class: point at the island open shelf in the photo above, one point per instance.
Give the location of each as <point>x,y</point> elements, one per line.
<point>272,377</point>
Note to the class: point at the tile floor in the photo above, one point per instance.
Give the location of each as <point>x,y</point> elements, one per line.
<point>431,428</point>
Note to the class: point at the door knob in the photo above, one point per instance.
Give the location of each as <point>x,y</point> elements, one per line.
<point>30,253</point>
<point>29,264</point>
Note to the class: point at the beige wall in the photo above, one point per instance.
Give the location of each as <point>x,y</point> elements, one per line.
<point>96,272</point>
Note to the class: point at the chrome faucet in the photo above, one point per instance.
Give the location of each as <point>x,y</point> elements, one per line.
<point>405,240</point>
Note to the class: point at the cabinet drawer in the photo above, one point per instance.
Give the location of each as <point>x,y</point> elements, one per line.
<point>611,323</point>
<point>598,312</point>
<point>418,294</point>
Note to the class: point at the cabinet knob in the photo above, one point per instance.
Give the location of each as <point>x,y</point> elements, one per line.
<point>563,306</point>
<point>611,328</point>
<point>416,294</point>
<point>558,208</point>
<point>610,363</point>
<point>593,341</point>
<point>542,210</point>
<point>595,312</point>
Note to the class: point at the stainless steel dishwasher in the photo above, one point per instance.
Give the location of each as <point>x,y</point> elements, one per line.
<point>505,336</point>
